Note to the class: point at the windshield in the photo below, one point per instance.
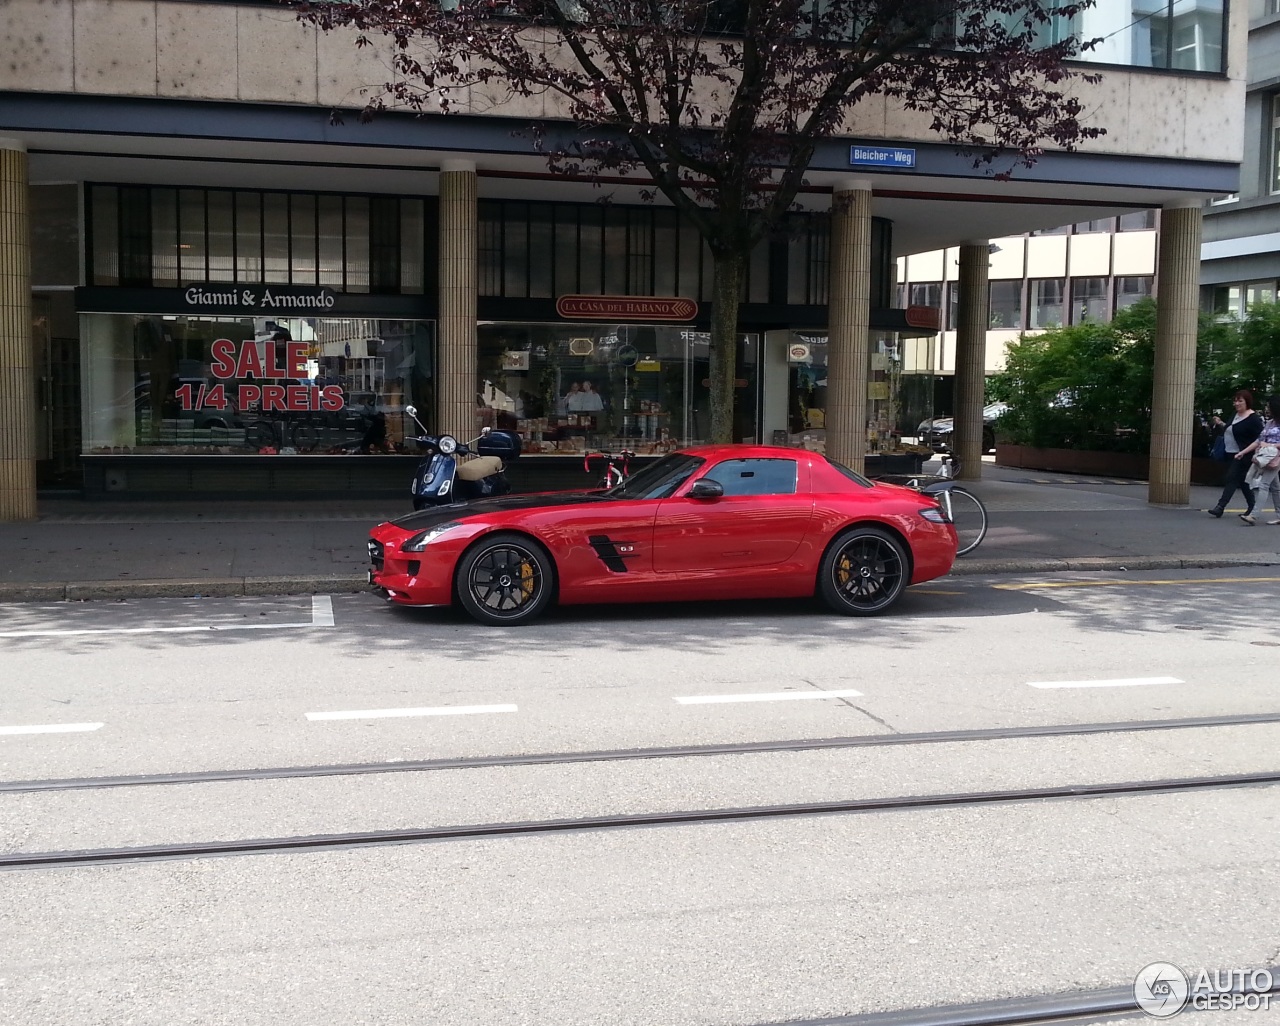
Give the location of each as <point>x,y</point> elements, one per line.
<point>657,480</point>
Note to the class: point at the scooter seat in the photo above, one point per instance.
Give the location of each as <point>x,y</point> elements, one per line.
<point>479,468</point>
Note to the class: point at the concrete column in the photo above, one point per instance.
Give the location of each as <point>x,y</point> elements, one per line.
<point>849,323</point>
<point>1177,321</point>
<point>17,355</point>
<point>971,358</point>
<point>456,384</point>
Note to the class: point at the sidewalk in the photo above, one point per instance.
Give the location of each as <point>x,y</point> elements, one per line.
<point>1039,522</point>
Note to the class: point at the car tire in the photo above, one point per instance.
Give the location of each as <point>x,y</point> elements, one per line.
<point>863,572</point>
<point>505,580</point>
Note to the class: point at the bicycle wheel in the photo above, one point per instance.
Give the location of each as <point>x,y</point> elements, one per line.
<point>969,516</point>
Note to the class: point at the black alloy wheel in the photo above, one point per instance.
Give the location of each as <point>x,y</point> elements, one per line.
<point>505,580</point>
<point>863,572</point>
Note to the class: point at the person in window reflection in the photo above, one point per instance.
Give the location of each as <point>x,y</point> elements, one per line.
<point>589,400</point>
<point>568,401</point>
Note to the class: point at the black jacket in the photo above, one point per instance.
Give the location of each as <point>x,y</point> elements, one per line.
<point>1247,431</point>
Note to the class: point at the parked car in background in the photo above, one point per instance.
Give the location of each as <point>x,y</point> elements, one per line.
<point>936,433</point>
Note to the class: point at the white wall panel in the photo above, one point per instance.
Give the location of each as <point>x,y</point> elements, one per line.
<point>1089,256</point>
<point>1135,253</point>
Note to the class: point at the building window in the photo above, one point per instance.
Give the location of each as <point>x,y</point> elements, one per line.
<point>1102,224</point>
<point>148,237</point>
<point>1138,221</point>
<point>953,306</point>
<point>1006,304</point>
<point>927,293</point>
<point>1062,229</point>
<point>1274,177</point>
<point>1046,303</point>
<point>1256,292</point>
<point>1131,290</point>
<point>1089,300</point>
<point>1228,301</point>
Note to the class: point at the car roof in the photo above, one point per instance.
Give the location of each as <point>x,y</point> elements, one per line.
<point>744,451</point>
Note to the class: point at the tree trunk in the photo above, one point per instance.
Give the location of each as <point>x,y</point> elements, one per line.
<point>726,291</point>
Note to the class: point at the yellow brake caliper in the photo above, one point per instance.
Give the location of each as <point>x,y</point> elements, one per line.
<point>526,579</point>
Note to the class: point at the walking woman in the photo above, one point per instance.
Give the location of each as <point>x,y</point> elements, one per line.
<point>1241,433</point>
<point>1263,458</point>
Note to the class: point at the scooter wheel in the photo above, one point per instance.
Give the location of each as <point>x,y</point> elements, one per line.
<point>505,580</point>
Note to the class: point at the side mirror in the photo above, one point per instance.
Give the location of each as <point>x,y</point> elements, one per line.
<point>706,489</point>
<point>412,411</point>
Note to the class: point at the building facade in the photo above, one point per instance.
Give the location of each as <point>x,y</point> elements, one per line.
<point>215,288</point>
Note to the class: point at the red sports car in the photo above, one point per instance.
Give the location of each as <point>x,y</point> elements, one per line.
<point>714,522</point>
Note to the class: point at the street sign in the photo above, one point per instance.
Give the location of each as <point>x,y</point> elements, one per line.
<point>882,156</point>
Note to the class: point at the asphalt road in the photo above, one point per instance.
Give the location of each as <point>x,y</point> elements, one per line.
<point>757,920</point>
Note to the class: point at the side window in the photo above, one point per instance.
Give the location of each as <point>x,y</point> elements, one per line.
<point>756,477</point>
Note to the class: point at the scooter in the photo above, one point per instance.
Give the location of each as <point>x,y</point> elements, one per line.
<point>441,479</point>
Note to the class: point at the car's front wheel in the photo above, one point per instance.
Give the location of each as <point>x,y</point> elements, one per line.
<point>505,580</point>
<point>863,572</point>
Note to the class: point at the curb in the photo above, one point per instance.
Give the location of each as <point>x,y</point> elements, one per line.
<point>201,587</point>
<point>311,584</point>
<point>966,567</point>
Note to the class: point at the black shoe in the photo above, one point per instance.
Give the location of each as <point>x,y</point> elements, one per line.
<point>1215,512</point>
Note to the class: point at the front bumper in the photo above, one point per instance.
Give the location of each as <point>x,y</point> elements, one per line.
<point>407,578</point>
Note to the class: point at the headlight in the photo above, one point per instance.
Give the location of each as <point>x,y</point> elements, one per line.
<point>448,444</point>
<point>420,541</point>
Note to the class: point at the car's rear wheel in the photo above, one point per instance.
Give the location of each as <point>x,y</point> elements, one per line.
<point>505,580</point>
<point>863,572</point>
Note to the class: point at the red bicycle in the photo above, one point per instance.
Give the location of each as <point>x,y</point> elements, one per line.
<point>617,466</point>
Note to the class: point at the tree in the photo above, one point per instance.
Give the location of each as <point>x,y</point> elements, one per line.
<point>718,105</point>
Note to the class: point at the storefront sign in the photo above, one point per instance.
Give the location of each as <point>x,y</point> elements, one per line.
<point>626,308</point>
<point>263,360</point>
<point>924,317</point>
<point>798,352</point>
<point>649,365</point>
<point>881,156</point>
<point>226,297</point>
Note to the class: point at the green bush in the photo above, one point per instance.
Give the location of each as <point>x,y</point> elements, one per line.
<point>1089,386</point>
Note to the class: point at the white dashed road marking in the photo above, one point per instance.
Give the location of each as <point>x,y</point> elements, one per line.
<point>442,710</point>
<point>52,728</point>
<point>1126,682</point>
<point>775,696</point>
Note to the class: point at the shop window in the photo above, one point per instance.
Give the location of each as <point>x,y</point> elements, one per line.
<point>164,238</point>
<point>303,265</point>
<point>275,237</point>
<point>569,388</point>
<point>757,477</point>
<point>356,236</point>
<point>1089,300</point>
<point>221,236</point>
<point>104,235</point>
<point>329,240</point>
<point>135,237</point>
<point>161,385</point>
<point>1006,304</point>
<point>248,206</point>
<point>1130,290</point>
<point>384,245</point>
<point>1046,301</point>
<point>1138,221</point>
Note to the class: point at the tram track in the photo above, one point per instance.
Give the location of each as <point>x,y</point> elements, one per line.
<point>635,754</point>
<point>489,831</point>
<point>1079,1007</point>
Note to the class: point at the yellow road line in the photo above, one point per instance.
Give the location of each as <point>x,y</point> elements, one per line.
<point>1111,583</point>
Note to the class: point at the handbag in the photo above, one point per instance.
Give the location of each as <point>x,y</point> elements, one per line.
<point>1219,450</point>
<point>1264,454</point>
